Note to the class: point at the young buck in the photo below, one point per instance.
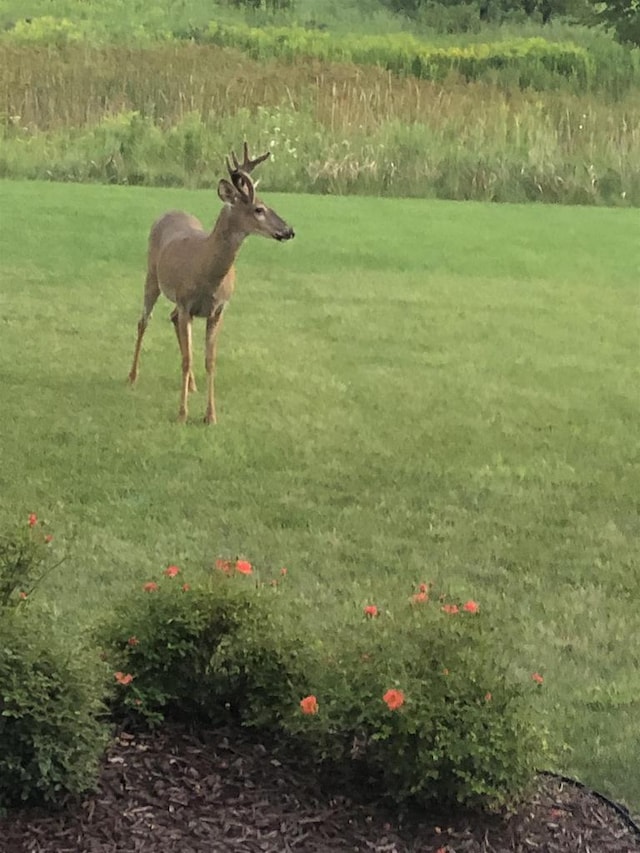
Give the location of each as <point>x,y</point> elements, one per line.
<point>194,268</point>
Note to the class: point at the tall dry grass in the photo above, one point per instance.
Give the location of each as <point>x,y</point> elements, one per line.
<point>165,114</point>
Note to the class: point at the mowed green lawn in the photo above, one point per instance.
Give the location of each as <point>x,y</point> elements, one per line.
<point>409,391</point>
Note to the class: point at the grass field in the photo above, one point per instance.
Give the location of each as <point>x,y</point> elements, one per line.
<point>410,390</point>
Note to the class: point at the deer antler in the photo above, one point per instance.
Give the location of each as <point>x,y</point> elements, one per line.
<point>240,172</point>
<point>248,165</point>
<point>243,183</point>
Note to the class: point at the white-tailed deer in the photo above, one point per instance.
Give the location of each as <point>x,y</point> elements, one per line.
<point>194,268</point>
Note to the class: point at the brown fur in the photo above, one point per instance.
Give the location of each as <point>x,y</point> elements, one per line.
<point>195,270</point>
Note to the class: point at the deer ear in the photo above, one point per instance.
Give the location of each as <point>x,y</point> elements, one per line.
<point>227,192</point>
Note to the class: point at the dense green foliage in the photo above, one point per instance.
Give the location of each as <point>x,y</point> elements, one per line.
<point>463,731</point>
<point>525,62</point>
<point>51,737</point>
<point>623,16</point>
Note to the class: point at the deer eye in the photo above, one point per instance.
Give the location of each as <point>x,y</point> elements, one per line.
<point>259,211</point>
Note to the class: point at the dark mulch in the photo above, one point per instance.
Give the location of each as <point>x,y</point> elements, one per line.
<point>172,792</point>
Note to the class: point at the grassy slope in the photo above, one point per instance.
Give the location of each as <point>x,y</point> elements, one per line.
<point>409,391</point>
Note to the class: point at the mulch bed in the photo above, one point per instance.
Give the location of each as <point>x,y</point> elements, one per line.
<point>174,792</point>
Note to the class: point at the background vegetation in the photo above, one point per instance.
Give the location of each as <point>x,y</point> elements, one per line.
<point>349,101</point>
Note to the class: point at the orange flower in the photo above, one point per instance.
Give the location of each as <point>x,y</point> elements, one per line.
<point>23,595</point>
<point>171,571</point>
<point>151,586</point>
<point>123,678</point>
<point>133,641</point>
<point>33,519</point>
<point>223,565</point>
<point>371,610</point>
<point>488,697</point>
<point>186,587</point>
<point>283,571</point>
<point>420,598</point>
<point>471,607</point>
<point>394,699</point>
<point>537,677</point>
<point>445,671</point>
<point>451,609</point>
<point>244,567</point>
<point>424,587</point>
<point>48,538</point>
<point>309,705</point>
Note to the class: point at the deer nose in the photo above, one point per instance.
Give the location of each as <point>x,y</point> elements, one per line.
<point>285,234</point>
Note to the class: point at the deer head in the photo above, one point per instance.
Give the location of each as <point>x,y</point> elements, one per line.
<point>250,214</point>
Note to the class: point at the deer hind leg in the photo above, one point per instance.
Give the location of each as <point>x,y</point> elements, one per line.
<point>151,293</point>
<point>184,338</point>
<point>174,320</point>
<point>214,322</point>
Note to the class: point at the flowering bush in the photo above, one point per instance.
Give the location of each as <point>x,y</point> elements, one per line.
<point>210,652</point>
<point>51,736</point>
<point>25,559</point>
<point>411,701</point>
<point>417,705</point>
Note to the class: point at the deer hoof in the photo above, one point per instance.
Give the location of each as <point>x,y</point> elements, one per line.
<point>182,417</point>
<point>210,418</point>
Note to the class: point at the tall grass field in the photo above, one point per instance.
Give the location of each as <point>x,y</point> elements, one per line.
<point>411,390</point>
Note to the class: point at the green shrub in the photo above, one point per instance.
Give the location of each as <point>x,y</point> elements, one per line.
<point>463,731</point>
<point>211,653</point>
<point>51,736</point>
<point>416,704</point>
<point>524,62</point>
<point>25,559</point>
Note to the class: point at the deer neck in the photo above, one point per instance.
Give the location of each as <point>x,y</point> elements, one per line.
<point>223,244</point>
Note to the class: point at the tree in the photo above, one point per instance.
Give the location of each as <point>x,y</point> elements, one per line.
<point>622,16</point>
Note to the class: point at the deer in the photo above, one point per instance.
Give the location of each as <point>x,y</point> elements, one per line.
<point>194,269</point>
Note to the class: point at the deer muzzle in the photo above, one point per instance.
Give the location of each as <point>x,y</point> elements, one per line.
<point>285,234</point>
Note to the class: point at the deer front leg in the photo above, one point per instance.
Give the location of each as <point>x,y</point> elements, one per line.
<point>213,327</point>
<point>174,320</point>
<point>184,338</point>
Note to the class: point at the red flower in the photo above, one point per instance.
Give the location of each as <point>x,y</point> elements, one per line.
<point>424,587</point>
<point>537,677</point>
<point>420,597</point>
<point>394,699</point>
<point>171,571</point>
<point>33,519</point>
<point>223,565</point>
<point>123,678</point>
<point>133,641</point>
<point>471,606</point>
<point>186,587</point>
<point>151,586</point>
<point>23,595</point>
<point>48,538</point>
<point>309,705</point>
<point>244,567</point>
<point>371,610</point>
<point>451,609</point>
